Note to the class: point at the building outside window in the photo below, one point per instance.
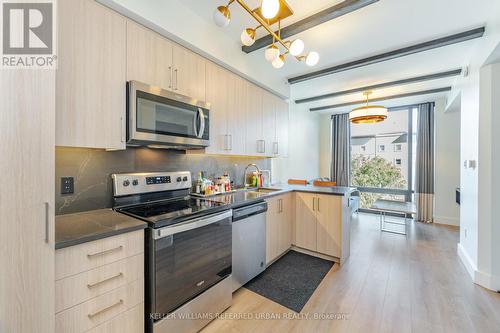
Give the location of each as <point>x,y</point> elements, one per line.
<point>398,147</point>
<point>381,148</point>
<point>397,162</point>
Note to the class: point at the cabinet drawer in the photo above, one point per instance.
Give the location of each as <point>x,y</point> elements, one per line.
<point>80,258</point>
<point>79,288</point>
<point>96,311</point>
<point>131,321</point>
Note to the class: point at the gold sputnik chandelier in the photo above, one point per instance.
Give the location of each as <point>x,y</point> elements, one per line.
<point>270,12</point>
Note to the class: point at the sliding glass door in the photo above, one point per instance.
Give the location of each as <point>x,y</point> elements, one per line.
<point>382,157</point>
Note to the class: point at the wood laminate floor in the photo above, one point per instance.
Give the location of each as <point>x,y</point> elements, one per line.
<point>390,284</point>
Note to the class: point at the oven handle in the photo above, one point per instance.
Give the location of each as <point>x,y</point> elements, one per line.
<point>191,224</point>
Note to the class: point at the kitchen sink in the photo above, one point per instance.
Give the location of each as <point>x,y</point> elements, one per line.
<point>261,191</point>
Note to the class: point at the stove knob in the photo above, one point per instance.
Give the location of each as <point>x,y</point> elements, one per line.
<point>126,183</point>
<point>135,182</point>
<point>185,179</point>
<point>179,179</point>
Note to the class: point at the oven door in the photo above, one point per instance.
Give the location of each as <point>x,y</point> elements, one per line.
<point>161,117</point>
<point>188,259</point>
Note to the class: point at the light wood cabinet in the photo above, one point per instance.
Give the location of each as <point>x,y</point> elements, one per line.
<point>279,225</point>
<point>90,87</point>
<point>254,143</point>
<point>269,123</point>
<point>282,128</point>
<point>149,57</point>
<point>217,86</point>
<point>305,221</point>
<point>27,104</point>
<point>99,281</point>
<point>188,73</point>
<point>329,224</point>
<point>155,60</point>
<point>318,223</point>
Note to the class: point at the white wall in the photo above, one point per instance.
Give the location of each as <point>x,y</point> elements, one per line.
<point>303,159</point>
<point>325,145</point>
<point>447,163</point>
<point>476,248</point>
<point>488,265</point>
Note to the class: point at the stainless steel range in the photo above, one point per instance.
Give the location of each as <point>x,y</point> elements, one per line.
<point>188,249</point>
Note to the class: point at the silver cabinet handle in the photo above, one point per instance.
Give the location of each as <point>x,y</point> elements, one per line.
<point>47,221</point>
<point>93,285</point>
<point>281,205</point>
<point>90,256</point>
<point>230,142</point>
<point>276,148</point>
<point>176,79</point>
<point>314,202</point>
<point>318,205</point>
<point>92,315</point>
<point>170,75</point>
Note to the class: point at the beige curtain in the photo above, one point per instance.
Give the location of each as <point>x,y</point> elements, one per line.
<point>425,163</point>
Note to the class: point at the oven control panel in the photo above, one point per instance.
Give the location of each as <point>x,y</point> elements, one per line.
<point>139,183</point>
<point>158,180</point>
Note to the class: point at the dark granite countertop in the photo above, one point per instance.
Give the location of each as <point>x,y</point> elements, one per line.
<point>74,229</point>
<point>246,197</point>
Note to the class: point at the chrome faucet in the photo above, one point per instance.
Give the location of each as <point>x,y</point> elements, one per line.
<point>245,172</point>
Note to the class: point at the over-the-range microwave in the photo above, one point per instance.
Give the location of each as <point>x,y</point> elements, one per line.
<point>164,119</point>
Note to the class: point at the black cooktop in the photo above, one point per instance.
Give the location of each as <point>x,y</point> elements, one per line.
<point>163,213</point>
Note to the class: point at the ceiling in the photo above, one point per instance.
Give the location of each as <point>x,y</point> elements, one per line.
<point>377,28</point>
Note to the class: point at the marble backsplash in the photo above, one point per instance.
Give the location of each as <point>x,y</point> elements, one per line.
<point>92,171</point>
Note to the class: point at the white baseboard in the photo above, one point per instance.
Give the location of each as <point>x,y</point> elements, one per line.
<point>483,279</point>
<point>447,220</point>
<point>467,261</point>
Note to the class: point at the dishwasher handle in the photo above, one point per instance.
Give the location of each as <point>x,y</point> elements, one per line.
<point>247,211</point>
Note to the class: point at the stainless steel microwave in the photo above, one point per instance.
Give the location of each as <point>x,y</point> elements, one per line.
<point>163,119</point>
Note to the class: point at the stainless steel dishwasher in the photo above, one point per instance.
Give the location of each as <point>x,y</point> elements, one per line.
<point>249,243</point>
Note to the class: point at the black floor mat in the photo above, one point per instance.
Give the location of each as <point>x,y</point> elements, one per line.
<point>291,280</point>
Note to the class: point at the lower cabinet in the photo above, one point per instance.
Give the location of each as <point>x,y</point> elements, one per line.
<point>105,291</point>
<point>318,223</point>
<point>279,225</point>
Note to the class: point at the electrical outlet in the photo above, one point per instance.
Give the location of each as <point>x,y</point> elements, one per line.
<point>67,185</point>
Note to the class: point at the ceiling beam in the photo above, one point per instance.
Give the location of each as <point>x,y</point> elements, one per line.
<point>323,16</point>
<point>428,77</point>
<point>405,51</point>
<point>416,93</point>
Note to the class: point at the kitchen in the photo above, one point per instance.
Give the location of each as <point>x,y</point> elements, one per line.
<point>171,173</point>
<point>188,122</point>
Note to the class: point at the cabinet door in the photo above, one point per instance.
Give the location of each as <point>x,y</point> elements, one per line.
<point>149,57</point>
<point>236,95</point>
<point>254,143</point>
<point>27,104</point>
<point>329,214</point>
<point>90,107</point>
<point>305,221</point>
<point>217,84</point>
<point>286,219</point>
<point>269,122</point>
<point>189,73</point>
<point>282,124</point>
<point>273,217</point>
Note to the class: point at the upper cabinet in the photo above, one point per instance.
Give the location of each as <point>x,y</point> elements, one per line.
<point>244,119</point>
<point>149,57</point>
<point>90,81</point>
<point>96,60</point>
<point>154,60</point>
<point>188,73</point>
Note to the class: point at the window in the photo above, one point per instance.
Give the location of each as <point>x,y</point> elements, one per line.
<point>384,170</point>
<point>363,148</point>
